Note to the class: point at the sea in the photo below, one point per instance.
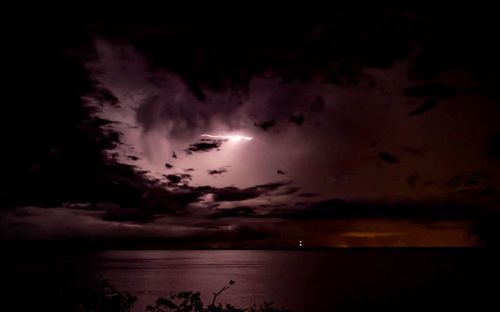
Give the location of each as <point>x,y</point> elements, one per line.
<point>399,279</point>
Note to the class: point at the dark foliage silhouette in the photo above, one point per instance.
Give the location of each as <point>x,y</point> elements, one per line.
<point>103,297</point>
<point>189,301</point>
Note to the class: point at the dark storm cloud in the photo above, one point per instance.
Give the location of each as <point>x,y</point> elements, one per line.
<point>297,119</point>
<point>479,195</point>
<point>217,171</point>
<point>104,96</point>
<point>128,215</point>
<point>234,212</point>
<point>471,207</point>
<point>288,191</point>
<point>411,180</point>
<point>418,211</point>
<point>209,55</point>
<point>425,107</point>
<point>309,195</point>
<point>62,149</point>
<point>466,180</point>
<point>455,181</point>
<point>68,159</point>
<point>156,201</point>
<point>431,94</point>
<point>23,212</point>
<point>430,91</point>
<point>412,150</point>
<point>318,105</point>
<point>127,228</point>
<point>388,158</point>
<point>232,193</point>
<point>205,145</point>
<point>266,125</point>
<point>268,187</point>
<point>178,178</point>
<point>242,232</point>
<point>475,179</point>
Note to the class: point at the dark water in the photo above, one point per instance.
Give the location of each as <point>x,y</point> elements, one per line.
<point>339,280</point>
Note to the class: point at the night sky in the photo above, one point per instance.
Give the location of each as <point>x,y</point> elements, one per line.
<point>342,127</point>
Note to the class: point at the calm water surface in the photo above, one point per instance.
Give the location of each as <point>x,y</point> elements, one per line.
<point>305,281</point>
<point>335,280</point>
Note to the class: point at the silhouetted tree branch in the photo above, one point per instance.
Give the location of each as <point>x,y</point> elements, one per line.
<point>226,287</point>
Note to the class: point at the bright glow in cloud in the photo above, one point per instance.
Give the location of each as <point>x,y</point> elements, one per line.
<point>227,137</point>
